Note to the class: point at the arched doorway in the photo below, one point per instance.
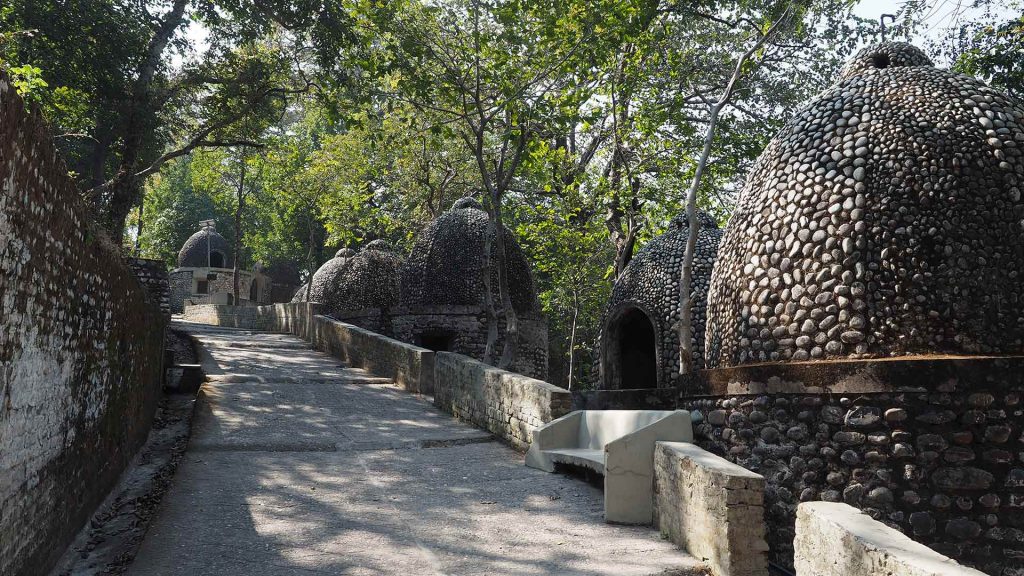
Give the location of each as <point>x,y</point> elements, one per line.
<point>253,290</point>
<point>631,351</point>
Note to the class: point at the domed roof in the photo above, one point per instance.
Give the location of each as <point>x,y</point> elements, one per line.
<point>448,260</point>
<point>883,220</point>
<point>651,282</point>
<point>356,280</point>
<point>204,244</point>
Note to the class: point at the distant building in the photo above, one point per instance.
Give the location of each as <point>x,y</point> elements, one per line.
<point>205,274</point>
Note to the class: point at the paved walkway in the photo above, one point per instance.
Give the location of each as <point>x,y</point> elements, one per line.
<point>299,465</point>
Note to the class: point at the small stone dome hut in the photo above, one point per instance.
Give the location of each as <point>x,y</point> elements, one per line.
<point>885,219</point>
<point>206,249</point>
<point>324,278</point>
<point>639,345</point>
<point>353,281</point>
<point>443,299</point>
<point>445,265</point>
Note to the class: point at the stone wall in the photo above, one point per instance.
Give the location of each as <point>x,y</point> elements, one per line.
<point>939,459</point>
<point>465,330</point>
<point>411,367</point>
<point>81,351</point>
<point>293,318</point>
<point>181,288</point>
<point>152,274</point>
<point>510,405</point>
<point>838,540</point>
<point>710,507</point>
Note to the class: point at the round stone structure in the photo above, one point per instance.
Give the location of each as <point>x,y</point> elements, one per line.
<point>325,277</point>
<point>446,264</point>
<point>639,345</point>
<point>443,304</point>
<point>357,280</point>
<point>885,219</point>
<point>206,249</point>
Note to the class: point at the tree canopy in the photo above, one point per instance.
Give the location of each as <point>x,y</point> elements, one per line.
<point>578,124</point>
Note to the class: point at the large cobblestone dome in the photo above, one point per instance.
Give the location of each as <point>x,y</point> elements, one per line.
<point>368,280</point>
<point>650,283</point>
<point>193,253</point>
<point>885,219</point>
<point>445,266</point>
<point>324,278</point>
<point>357,280</point>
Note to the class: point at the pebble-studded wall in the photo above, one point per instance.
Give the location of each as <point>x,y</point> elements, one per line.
<point>447,259</point>
<point>650,283</point>
<point>81,350</point>
<point>940,458</point>
<point>442,303</point>
<point>368,280</point>
<point>152,274</point>
<point>884,219</point>
<point>325,277</point>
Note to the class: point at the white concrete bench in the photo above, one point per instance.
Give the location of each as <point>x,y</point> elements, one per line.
<point>618,444</point>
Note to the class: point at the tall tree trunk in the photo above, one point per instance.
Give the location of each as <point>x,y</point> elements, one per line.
<point>572,335</point>
<point>489,308</point>
<point>138,231</point>
<point>310,260</point>
<point>124,190</point>
<point>508,353</point>
<point>685,324</point>
<point>239,207</point>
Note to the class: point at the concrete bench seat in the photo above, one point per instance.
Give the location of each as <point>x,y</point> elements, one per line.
<point>583,457</point>
<point>619,444</point>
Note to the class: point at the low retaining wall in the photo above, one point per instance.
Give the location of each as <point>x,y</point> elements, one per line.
<point>507,404</point>
<point>835,539</point>
<point>81,351</point>
<point>290,318</point>
<point>712,508</point>
<point>411,367</point>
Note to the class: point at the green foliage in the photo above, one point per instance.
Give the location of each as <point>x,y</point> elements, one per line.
<point>175,202</point>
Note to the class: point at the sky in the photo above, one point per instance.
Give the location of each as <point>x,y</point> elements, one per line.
<point>939,17</point>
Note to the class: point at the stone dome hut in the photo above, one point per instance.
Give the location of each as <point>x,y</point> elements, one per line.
<point>443,300</point>
<point>205,275</point>
<point>639,346</point>
<point>354,281</point>
<point>325,277</point>
<point>369,279</point>
<point>885,219</point>
<point>206,249</point>
<point>445,265</point>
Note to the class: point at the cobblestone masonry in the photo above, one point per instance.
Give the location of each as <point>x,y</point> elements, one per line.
<point>651,282</point>
<point>198,249</point>
<point>711,508</point>
<point>357,280</point>
<point>945,467</point>
<point>464,328</point>
<point>81,349</point>
<point>152,274</point>
<point>884,219</point>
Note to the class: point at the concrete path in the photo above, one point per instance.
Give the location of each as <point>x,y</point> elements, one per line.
<point>299,465</point>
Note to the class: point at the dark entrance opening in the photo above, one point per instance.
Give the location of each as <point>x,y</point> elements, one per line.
<point>636,362</point>
<point>253,291</point>
<point>436,341</point>
<point>216,260</point>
